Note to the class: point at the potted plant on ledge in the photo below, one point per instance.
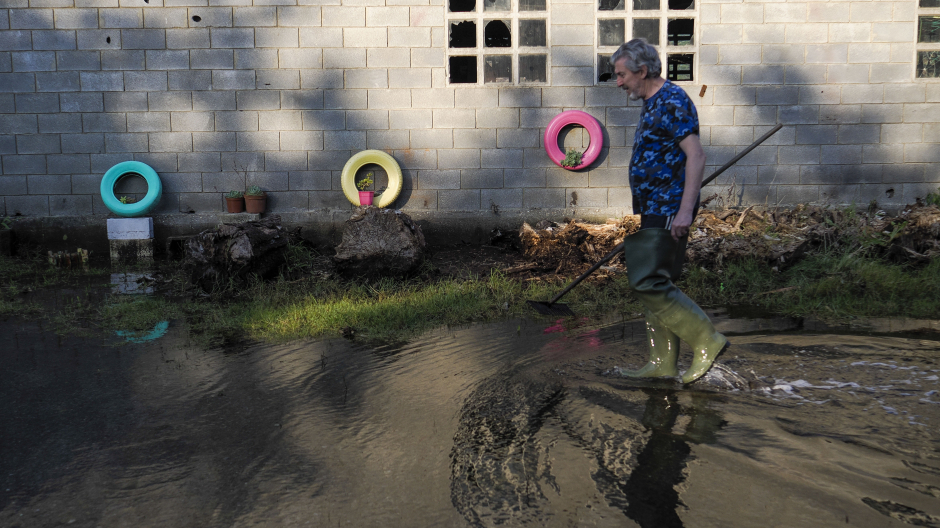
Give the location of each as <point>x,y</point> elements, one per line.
<point>235,202</point>
<point>255,200</point>
<point>365,197</point>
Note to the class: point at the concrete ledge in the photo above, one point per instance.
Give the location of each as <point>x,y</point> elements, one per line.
<point>130,228</point>
<point>238,218</point>
<point>131,251</point>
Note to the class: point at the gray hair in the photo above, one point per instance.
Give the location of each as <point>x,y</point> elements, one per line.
<point>638,53</point>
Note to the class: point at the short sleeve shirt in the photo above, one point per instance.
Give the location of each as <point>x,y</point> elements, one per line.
<point>657,168</point>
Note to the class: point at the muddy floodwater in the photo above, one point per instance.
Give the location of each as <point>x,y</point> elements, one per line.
<point>506,424</point>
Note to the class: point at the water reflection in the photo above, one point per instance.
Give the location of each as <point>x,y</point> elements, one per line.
<point>504,469</point>
<point>510,424</point>
<point>652,487</point>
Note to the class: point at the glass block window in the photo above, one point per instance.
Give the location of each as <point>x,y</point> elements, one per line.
<point>497,42</point>
<point>670,25</point>
<point>927,60</point>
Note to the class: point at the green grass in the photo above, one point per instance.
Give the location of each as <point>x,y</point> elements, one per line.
<point>833,284</point>
<point>840,281</point>
<point>392,310</point>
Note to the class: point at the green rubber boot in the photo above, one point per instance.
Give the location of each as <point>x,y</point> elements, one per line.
<point>652,258</point>
<point>664,352</point>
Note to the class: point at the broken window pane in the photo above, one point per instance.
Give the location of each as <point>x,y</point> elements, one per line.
<point>463,34</point>
<point>462,6</point>
<point>928,64</point>
<point>647,28</point>
<point>680,31</point>
<point>605,71</point>
<point>928,30</point>
<point>497,69</point>
<point>532,5</point>
<point>929,3</point>
<point>531,32</point>
<point>496,35</point>
<point>679,67</point>
<point>463,69</point>
<point>610,5</point>
<point>496,5</point>
<point>532,68</point>
<point>611,32</point>
<point>645,5</point>
<point>680,5</point>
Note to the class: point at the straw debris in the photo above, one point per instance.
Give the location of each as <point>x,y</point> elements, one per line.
<point>573,246</point>
<point>779,237</point>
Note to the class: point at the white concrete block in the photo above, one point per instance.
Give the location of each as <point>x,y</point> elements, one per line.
<point>427,16</point>
<point>892,31</point>
<point>365,37</point>
<point>387,16</point>
<point>807,33</point>
<point>742,14</point>
<point>872,11</point>
<point>344,16</point>
<point>849,33</point>
<point>722,34</point>
<point>389,99</point>
<point>788,12</point>
<point>869,53</point>
<point>764,33</point>
<point>130,228</point>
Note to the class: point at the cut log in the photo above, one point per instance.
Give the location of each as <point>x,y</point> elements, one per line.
<point>380,242</point>
<point>233,252</point>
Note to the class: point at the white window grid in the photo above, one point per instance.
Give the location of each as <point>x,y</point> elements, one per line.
<point>920,47</point>
<point>481,18</point>
<point>664,15</point>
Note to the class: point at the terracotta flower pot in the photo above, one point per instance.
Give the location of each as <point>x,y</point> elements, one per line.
<point>235,205</point>
<point>365,197</point>
<point>256,204</point>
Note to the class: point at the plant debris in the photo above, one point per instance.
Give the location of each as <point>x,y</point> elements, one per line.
<point>779,237</point>
<point>574,246</point>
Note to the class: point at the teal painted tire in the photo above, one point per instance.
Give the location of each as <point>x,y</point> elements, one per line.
<point>144,206</point>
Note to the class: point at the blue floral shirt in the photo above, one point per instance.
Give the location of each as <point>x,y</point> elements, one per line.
<point>657,169</point>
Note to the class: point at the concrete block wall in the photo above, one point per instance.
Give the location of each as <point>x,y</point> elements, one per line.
<point>222,94</point>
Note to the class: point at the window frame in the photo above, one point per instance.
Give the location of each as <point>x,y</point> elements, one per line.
<point>664,14</point>
<point>515,50</point>
<point>923,46</point>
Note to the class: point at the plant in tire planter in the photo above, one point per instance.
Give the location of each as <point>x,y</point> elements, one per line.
<point>255,199</point>
<point>365,197</point>
<point>235,202</point>
<point>572,158</point>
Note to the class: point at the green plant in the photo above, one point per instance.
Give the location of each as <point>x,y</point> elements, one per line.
<point>6,223</point>
<point>234,194</point>
<point>254,190</point>
<point>572,158</point>
<point>365,182</point>
<point>123,199</point>
<point>933,198</point>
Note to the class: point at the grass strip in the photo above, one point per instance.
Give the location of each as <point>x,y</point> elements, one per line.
<point>835,283</point>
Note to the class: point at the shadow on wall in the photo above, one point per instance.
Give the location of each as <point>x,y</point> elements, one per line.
<point>830,150</point>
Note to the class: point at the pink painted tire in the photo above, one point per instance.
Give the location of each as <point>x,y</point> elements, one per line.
<point>574,117</point>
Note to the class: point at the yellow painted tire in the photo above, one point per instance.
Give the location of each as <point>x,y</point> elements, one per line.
<point>384,160</point>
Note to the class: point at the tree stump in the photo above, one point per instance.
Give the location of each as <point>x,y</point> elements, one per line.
<point>379,242</point>
<point>233,252</point>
